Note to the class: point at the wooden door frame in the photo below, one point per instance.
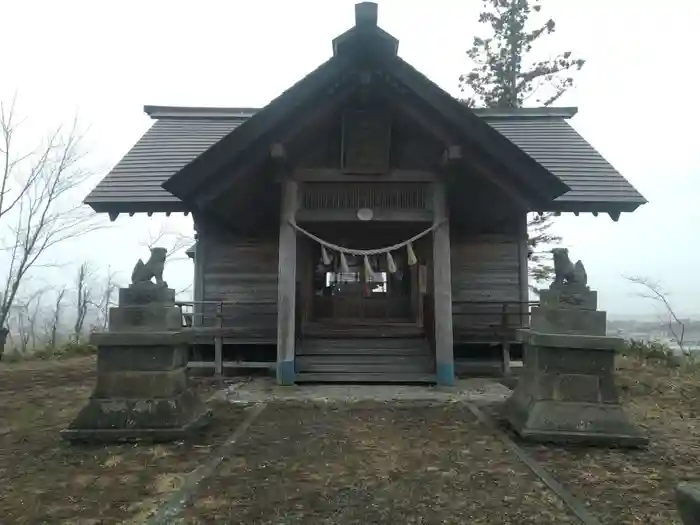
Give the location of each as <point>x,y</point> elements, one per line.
<point>308,295</point>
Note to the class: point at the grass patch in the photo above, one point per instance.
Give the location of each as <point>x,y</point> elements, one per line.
<point>64,351</point>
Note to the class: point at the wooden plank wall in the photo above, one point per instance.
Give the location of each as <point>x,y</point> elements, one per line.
<point>242,271</point>
<point>484,268</point>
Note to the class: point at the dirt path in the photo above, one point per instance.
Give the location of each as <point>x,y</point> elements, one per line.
<point>372,463</point>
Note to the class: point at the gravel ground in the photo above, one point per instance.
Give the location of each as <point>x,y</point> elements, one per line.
<point>372,463</point>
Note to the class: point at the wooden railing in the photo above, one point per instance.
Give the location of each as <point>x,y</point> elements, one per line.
<point>490,319</point>
<point>473,322</point>
<point>491,322</point>
<point>207,321</point>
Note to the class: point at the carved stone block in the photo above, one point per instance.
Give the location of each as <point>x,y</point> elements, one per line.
<point>569,296</point>
<point>566,393</point>
<point>142,390</point>
<point>146,317</point>
<point>146,293</point>
<point>568,321</point>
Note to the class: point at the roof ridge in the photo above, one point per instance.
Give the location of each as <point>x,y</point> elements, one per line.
<point>213,112</point>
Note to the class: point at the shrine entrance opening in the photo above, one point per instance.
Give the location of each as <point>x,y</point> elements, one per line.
<point>371,290</point>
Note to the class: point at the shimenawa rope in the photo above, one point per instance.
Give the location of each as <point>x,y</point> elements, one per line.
<point>376,251</point>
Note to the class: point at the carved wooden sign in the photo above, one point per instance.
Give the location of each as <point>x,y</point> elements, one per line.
<point>366,141</point>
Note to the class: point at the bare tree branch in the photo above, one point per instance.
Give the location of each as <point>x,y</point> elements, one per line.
<point>55,323</point>
<point>26,313</point>
<point>83,300</point>
<point>655,292</point>
<point>173,241</point>
<point>38,207</point>
<point>105,300</point>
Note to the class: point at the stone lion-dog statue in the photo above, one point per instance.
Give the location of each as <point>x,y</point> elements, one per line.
<point>565,271</point>
<point>151,269</point>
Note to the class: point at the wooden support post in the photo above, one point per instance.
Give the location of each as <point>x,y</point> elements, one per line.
<point>505,343</point>
<point>219,342</point>
<point>286,286</point>
<point>442,290</point>
<point>524,275</point>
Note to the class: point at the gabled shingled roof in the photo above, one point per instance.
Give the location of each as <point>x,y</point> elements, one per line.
<point>180,134</point>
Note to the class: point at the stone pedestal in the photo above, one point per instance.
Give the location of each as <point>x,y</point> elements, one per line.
<point>142,390</point>
<point>688,500</point>
<point>566,392</point>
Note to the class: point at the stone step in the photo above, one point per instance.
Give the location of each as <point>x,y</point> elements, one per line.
<point>366,377</point>
<point>350,331</point>
<point>479,367</point>
<point>364,346</point>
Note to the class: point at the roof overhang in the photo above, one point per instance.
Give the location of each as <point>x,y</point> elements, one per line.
<point>113,209</point>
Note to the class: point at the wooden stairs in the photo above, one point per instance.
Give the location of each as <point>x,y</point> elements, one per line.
<point>365,360</point>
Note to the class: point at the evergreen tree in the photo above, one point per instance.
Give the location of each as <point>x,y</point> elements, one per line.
<point>503,77</point>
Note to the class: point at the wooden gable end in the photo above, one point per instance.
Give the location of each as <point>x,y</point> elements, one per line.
<point>360,94</point>
<point>366,135</point>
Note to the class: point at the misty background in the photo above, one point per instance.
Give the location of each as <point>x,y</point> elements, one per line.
<point>106,61</point>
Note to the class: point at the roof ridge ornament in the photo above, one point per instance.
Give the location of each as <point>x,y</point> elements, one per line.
<point>366,14</point>
<point>366,35</point>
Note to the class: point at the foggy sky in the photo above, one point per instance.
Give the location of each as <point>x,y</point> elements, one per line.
<point>636,99</point>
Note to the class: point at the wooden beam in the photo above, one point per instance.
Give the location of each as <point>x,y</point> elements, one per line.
<point>524,274</point>
<point>198,284</point>
<point>337,175</point>
<point>336,215</point>
<point>442,290</point>
<point>467,157</point>
<point>258,156</point>
<point>452,154</point>
<point>286,285</point>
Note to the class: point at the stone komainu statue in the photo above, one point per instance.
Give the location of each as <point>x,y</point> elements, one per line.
<point>566,272</point>
<point>153,268</point>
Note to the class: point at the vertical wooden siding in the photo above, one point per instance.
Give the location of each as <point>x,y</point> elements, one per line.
<point>484,268</point>
<point>242,271</point>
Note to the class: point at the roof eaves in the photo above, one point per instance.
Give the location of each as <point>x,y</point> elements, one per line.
<point>196,172</point>
<point>112,207</point>
<point>580,206</point>
<point>515,113</point>
<point>180,112</point>
<point>464,118</point>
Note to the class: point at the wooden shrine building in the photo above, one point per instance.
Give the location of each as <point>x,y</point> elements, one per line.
<point>365,223</point>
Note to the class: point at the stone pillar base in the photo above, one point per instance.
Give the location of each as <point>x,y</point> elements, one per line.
<point>147,419</point>
<point>142,392</point>
<point>688,500</point>
<point>566,393</point>
<point>573,423</point>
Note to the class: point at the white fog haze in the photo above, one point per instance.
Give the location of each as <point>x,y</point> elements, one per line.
<point>105,61</point>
